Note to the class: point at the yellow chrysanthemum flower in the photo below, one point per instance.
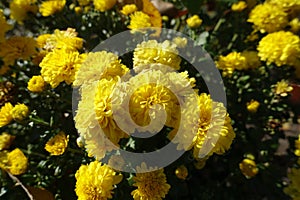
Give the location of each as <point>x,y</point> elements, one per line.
<point>128,9</point>
<point>230,62</point>
<point>5,114</point>
<point>61,65</point>
<point>290,6</point>
<point>65,39</point>
<point>239,6</point>
<point>180,42</point>
<point>282,88</point>
<point>210,132</point>
<point>51,7</point>
<point>268,18</point>
<point>150,185</point>
<point>17,47</point>
<point>295,25</point>
<point>17,162</point>
<point>293,188</point>
<point>104,5</point>
<point>252,106</point>
<point>36,84</point>
<point>194,21</point>
<point>6,140</point>
<point>84,2</point>
<point>20,112</point>
<point>181,172</point>
<point>139,20</point>
<point>248,168</point>
<point>4,26</point>
<point>297,146</point>
<point>151,52</point>
<point>41,40</point>
<point>104,113</point>
<point>57,145</point>
<point>3,160</point>
<point>100,65</point>
<point>252,59</point>
<point>19,9</point>
<point>96,181</point>
<point>285,51</point>
<point>153,12</point>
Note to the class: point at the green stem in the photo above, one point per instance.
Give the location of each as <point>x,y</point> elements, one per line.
<point>33,153</point>
<point>75,151</point>
<point>39,121</point>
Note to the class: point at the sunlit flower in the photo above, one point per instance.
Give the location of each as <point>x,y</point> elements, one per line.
<point>62,39</point>
<point>96,181</point>
<point>252,106</point>
<point>180,42</point>
<point>282,88</point>
<point>20,112</point>
<point>153,12</point>
<point>209,129</point>
<point>239,6</point>
<point>181,172</point>
<point>51,7</point>
<point>17,47</point>
<point>293,188</point>
<point>297,146</point>
<point>41,40</point>
<point>17,162</point>
<point>100,65</point>
<point>248,168</point>
<point>104,5</point>
<point>290,6</point>
<point>4,26</point>
<point>230,62</point>
<point>6,140</point>
<point>151,52</point>
<point>36,84</point>
<point>128,9</point>
<point>61,66</point>
<point>268,18</point>
<point>285,51</point>
<point>194,21</point>
<point>19,9</point>
<point>57,145</point>
<point>150,185</point>
<point>5,114</point>
<point>139,20</point>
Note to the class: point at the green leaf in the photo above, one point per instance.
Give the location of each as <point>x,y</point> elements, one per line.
<point>193,5</point>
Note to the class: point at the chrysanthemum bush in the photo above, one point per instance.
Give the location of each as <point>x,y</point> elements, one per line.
<point>47,151</point>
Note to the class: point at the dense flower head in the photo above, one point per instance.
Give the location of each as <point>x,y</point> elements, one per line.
<point>181,172</point>
<point>128,9</point>
<point>96,181</point>
<point>51,7</point>
<point>295,25</point>
<point>282,88</point>
<point>17,162</point>
<point>151,52</point>
<point>194,21</point>
<point>139,20</point>
<point>230,62</point>
<point>153,12</point>
<point>57,145</point>
<point>252,59</point>
<point>268,18</point>
<point>6,140</point>
<point>150,185</point>
<point>293,188</point>
<point>4,26</point>
<point>99,65</point>
<point>17,47</point>
<point>104,5</point>
<point>289,6</point>
<point>297,146</point>
<point>252,106</point>
<point>180,42</point>
<point>83,2</point>
<point>5,114</point>
<point>20,112</point>
<point>7,92</point>
<point>36,84</point>
<point>61,39</point>
<point>248,168</point>
<point>285,51</point>
<point>19,9</point>
<point>239,6</point>
<point>61,66</point>
<point>209,130</point>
